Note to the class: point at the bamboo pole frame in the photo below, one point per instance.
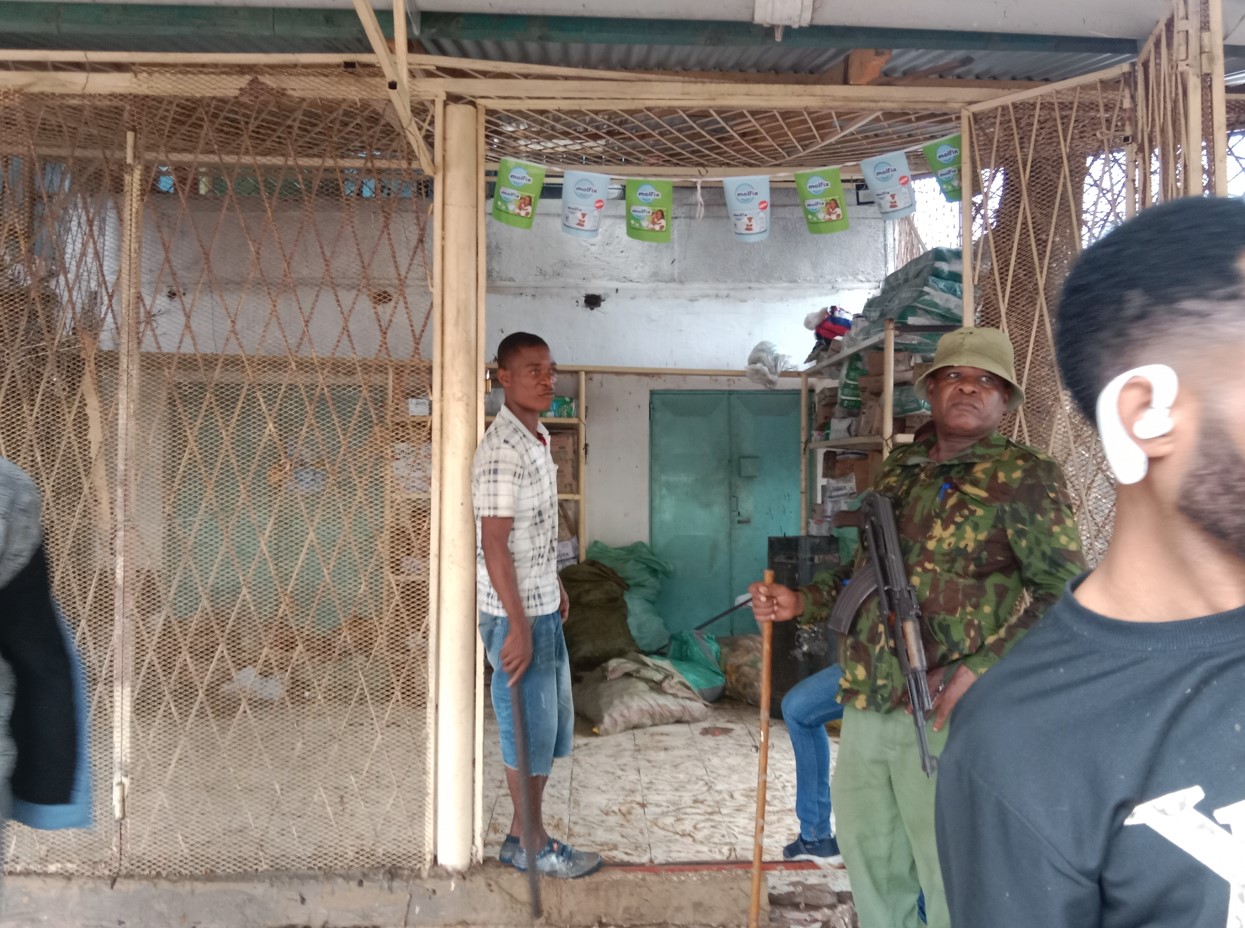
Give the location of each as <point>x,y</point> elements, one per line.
<point>481,315</point>
<point>968,182</point>
<point>1188,24</point>
<point>512,93</point>
<point>888,387</point>
<point>126,490</point>
<point>460,400</point>
<point>1106,75</point>
<point>397,76</point>
<point>1213,66</point>
<point>437,388</point>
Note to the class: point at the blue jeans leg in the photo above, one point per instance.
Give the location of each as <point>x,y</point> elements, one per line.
<point>806,709</point>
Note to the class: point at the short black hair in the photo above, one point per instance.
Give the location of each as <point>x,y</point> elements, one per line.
<point>1169,276</point>
<point>515,342</point>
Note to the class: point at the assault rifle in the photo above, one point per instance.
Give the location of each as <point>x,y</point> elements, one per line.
<point>883,572</point>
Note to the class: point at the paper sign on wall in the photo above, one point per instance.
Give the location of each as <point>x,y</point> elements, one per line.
<point>518,191</point>
<point>944,160</point>
<point>650,209</point>
<point>821,195</point>
<point>890,182</point>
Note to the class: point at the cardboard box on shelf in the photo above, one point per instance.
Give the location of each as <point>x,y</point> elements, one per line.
<point>568,552</point>
<point>873,383</point>
<point>875,362</point>
<point>564,447</point>
<point>566,521</point>
<point>856,466</point>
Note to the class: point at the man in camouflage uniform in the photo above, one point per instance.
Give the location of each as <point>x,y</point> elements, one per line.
<point>982,521</point>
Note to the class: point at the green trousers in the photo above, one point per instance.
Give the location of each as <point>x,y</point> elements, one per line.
<point>884,820</point>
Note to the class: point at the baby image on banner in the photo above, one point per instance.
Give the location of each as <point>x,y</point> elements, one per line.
<point>944,160</point>
<point>821,195</point>
<point>650,209</point>
<point>890,182</point>
<point>747,202</point>
<point>517,193</point>
<point>583,199</point>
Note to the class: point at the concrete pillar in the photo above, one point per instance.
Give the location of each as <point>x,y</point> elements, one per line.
<point>460,402</point>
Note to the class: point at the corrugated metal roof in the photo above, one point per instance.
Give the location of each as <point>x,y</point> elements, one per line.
<point>984,65</point>
<point>1234,64</point>
<point>189,42</point>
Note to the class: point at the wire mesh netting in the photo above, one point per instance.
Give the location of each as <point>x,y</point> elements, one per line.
<point>233,432</point>
<point>707,137</point>
<point>1054,170</point>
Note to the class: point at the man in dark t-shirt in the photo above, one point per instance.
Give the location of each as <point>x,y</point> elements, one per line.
<point>1096,777</point>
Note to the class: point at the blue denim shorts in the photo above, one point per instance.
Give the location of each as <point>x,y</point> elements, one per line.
<point>546,692</point>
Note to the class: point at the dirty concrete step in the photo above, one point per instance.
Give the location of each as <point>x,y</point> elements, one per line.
<point>490,896</point>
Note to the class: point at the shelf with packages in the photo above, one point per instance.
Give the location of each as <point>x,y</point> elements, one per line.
<point>862,455</point>
<point>568,445</point>
<point>858,443</point>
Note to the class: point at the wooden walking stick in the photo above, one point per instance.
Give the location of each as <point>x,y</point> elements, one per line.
<point>758,840</point>
<point>525,805</point>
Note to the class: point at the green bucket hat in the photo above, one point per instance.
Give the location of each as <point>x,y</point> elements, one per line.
<point>987,349</point>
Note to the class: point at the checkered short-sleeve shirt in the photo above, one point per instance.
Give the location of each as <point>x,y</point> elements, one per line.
<point>513,476</point>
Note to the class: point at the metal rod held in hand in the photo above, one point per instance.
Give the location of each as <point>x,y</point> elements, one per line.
<point>758,840</point>
<point>528,814</point>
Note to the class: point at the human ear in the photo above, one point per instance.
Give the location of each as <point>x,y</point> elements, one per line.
<point>1135,406</point>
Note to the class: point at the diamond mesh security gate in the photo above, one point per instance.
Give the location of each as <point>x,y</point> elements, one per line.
<point>216,349</point>
<point>1055,169</point>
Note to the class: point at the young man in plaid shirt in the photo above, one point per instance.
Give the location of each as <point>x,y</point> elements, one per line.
<point>522,602</point>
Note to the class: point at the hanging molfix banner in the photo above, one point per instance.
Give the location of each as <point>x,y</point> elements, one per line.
<point>518,192</point>
<point>944,160</point>
<point>748,205</point>
<point>650,209</point>
<point>890,182</point>
<point>821,195</point>
<point>583,199</point>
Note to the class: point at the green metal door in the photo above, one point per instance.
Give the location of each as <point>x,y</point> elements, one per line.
<point>724,475</point>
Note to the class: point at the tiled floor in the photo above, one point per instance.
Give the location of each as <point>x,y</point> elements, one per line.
<point>670,794</point>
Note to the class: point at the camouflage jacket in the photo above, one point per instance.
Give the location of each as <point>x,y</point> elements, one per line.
<point>977,532</point>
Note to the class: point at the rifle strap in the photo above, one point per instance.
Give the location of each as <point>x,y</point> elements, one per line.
<point>864,583</point>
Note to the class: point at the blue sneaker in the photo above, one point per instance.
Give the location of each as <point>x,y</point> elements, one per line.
<point>560,861</point>
<point>824,852</point>
<point>508,848</point>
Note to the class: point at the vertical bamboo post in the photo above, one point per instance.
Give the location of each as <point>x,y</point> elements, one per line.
<point>127,453</point>
<point>968,180</point>
<point>460,402</point>
<point>758,839</point>
<point>888,387</point>
<point>805,431</point>
<point>1192,72</point>
<point>1130,147</point>
<point>401,49</point>
<point>581,430</point>
<point>477,849</point>
<point>434,526</point>
<point>1212,49</point>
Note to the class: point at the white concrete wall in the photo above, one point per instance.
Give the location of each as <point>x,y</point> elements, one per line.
<point>701,302</point>
<point>298,281</point>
